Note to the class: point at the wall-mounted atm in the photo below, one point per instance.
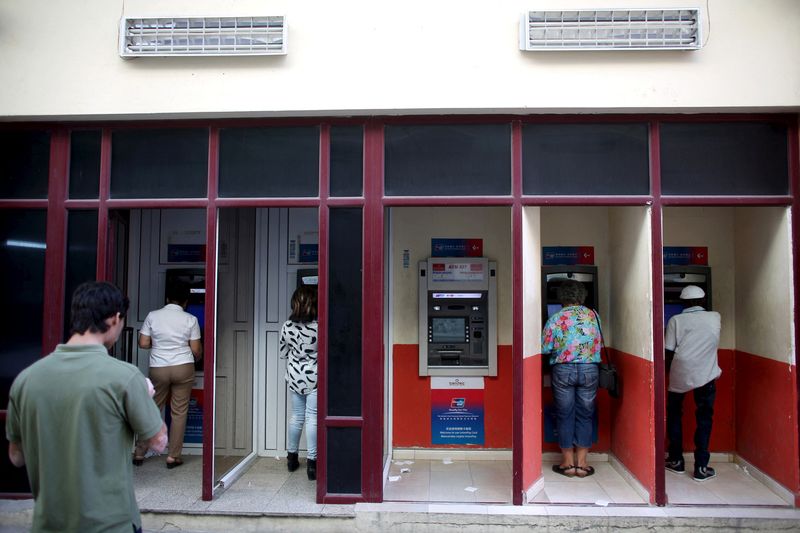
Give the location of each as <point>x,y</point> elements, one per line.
<point>554,275</point>
<point>457,316</point>
<point>676,277</point>
<point>195,279</point>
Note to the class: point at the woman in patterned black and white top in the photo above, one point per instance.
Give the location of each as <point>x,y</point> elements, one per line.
<point>298,345</point>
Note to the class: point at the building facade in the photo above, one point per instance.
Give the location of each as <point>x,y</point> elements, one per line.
<point>375,131</point>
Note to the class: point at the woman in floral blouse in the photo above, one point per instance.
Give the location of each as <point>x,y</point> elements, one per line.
<point>572,339</point>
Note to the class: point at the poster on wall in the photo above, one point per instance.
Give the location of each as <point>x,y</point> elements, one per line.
<point>457,410</point>
<point>194,418</point>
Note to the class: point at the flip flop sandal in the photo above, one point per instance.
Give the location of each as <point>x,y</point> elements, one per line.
<point>174,464</point>
<point>586,471</point>
<point>558,469</point>
<point>137,461</point>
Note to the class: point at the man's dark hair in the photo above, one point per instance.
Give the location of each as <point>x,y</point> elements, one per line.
<point>178,292</point>
<point>92,303</point>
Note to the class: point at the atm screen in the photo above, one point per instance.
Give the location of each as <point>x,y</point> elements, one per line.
<point>671,310</point>
<point>553,309</point>
<point>198,310</point>
<point>448,330</point>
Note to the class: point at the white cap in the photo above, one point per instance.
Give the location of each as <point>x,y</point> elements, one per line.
<point>692,292</point>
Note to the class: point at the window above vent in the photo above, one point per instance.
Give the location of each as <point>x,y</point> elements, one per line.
<point>202,36</point>
<point>611,29</point>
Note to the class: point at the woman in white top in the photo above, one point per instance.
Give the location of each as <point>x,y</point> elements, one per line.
<point>298,344</point>
<point>173,336</point>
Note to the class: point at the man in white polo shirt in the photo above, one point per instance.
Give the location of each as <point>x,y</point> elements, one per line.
<point>174,338</point>
<point>691,343</point>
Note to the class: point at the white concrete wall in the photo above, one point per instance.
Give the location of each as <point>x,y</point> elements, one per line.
<point>631,303</point>
<point>764,295</point>
<point>60,59</point>
<point>712,227</point>
<point>531,281</point>
<point>412,230</point>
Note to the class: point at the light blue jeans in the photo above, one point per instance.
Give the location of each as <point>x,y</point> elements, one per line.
<point>574,392</point>
<point>304,410</point>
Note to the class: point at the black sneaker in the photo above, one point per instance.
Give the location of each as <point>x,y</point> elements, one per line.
<point>703,473</point>
<point>675,465</point>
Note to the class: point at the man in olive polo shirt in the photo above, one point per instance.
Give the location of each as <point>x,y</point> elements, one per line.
<point>72,417</point>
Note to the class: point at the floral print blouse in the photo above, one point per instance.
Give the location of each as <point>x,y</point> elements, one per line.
<point>572,335</point>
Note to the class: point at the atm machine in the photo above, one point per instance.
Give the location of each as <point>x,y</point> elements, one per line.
<point>195,279</point>
<point>676,277</point>
<point>457,316</point>
<point>552,277</point>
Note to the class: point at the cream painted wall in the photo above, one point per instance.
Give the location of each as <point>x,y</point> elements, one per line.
<point>712,227</point>
<point>583,226</point>
<point>60,59</point>
<point>412,230</point>
<point>764,296</point>
<point>630,257</point>
<point>531,281</point>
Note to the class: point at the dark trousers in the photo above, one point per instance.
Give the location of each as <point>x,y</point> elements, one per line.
<point>704,413</point>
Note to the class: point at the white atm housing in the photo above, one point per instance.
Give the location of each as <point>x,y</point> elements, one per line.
<point>457,316</point>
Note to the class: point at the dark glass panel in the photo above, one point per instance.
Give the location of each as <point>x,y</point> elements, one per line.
<point>732,158</point>
<point>344,313</point>
<point>269,162</point>
<point>448,160</point>
<point>22,249</point>
<point>81,256</point>
<point>585,159</point>
<point>164,163</point>
<point>24,164</point>
<point>344,460</point>
<point>347,160</point>
<point>84,164</point>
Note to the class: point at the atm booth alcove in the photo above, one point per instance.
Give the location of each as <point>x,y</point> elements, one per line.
<point>449,328</point>
<point>265,252</point>
<point>741,257</point>
<point>609,250</point>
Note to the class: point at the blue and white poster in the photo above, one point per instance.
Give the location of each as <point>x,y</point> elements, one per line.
<point>457,412</point>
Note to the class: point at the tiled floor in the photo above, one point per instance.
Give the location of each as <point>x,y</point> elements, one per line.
<point>605,487</point>
<point>732,486</point>
<point>266,488</point>
<point>422,480</point>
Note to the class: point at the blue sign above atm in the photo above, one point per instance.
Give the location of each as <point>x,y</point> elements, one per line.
<point>685,255</point>
<point>456,247</point>
<point>568,255</point>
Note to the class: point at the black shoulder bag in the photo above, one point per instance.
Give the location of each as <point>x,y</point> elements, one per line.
<point>609,379</point>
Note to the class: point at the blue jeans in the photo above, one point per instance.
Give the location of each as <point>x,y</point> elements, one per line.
<point>304,410</point>
<point>574,392</point>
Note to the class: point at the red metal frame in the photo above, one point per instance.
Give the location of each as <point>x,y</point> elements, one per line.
<point>794,189</point>
<point>322,313</point>
<point>373,203</point>
<point>56,252</point>
<point>209,360</point>
<point>517,341</point>
<point>659,368</point>
<point>103,257</point>
<point>372,337</point>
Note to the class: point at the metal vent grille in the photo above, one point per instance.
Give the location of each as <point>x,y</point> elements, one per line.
<point>611,29</point>
<point>206,36</point>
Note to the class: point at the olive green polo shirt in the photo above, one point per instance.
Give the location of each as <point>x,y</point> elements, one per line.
<point>76,412</point>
